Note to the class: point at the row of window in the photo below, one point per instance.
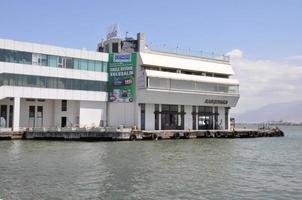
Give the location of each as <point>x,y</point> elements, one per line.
<point>170,84</point>
<point>51,60</point>
<point>51,82</point>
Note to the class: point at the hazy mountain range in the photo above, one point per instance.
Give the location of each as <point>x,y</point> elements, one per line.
<point>289,111</point>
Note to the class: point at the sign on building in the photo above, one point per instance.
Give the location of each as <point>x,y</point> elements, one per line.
<point>121,77</point>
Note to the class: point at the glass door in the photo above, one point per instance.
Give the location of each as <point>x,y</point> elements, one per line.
<point>63,122</point>
<point>205,118</point>
<point>11,115</point>
<point>39,122</point>
<point>31,116</point>
<point>3,116</point>
<point>169,117</point>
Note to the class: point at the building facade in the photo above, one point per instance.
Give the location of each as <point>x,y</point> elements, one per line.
<point>172,90</point>
<point>47,86</point>
<point>124,83</point>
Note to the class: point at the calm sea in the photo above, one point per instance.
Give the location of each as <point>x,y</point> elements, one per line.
<point>259,168</point>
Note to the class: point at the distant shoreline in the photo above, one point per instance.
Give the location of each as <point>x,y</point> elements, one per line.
<point>269,124</point>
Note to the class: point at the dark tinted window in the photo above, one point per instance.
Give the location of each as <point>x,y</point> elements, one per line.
<point>115,47</point>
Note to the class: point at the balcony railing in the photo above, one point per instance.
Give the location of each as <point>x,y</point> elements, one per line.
<point>191,86</point>
<point>188,52</point>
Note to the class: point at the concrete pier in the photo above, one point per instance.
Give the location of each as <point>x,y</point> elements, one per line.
<point>118,135</point>
<point>10,135</point>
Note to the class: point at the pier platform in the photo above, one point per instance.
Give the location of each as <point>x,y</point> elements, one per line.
<point>101,134</point>
<point>9,135</point>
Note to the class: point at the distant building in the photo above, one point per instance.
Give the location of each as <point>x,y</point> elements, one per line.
<point>124,83</point>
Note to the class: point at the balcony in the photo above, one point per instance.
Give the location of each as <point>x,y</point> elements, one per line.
<point>191,86</point>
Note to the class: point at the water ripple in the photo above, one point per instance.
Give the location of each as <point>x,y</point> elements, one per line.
<point>264,168</point>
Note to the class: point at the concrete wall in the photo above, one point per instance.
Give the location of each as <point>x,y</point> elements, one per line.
<point>149,117</point>
<point>121,114</point>
<point>92,113</point>
<point>48,113</point>
<point>184,98</point>
<point>47,93</point>
<point>72,113</point>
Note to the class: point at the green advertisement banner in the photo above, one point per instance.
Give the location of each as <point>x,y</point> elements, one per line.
<point>121,77</point>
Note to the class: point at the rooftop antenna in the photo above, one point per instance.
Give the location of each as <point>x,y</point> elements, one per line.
<point>112,31</point>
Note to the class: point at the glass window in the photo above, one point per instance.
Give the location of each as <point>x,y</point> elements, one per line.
<point>39,59</point>
<point>103,86</point>
<point>64,105</point>
<point>90,65</point>
<point>31,112</point>
<point>53,61</point>
<point>24,57</point>
<point>2,55</point>
<point>115,47</point>
<point>83,64</point>
<point>105,66</point>
<point>68,84</point>
<point>76,84</point>
<point>194,117</point>
<point>51,82</point>
<point>107,48</point>
<point>155,82</point>
<point>142,116</point>
<point>11,79</point>
<point>15,56</point>
<point>69,63</point>
<point>41,82</point>
<point>98,66</point>
<point>226,118</point>
<point>31,81</point>
<point>76,63</point>
<point>1,80</point>
<point>12,56</point>
<point>84,85</point>
<point>4,79</point>
<point>61,83</point>
<point>156,112</point>
<point>39,111</point>
<point>62,62</point>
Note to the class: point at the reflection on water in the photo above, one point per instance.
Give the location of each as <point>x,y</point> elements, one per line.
<point>260,168</point>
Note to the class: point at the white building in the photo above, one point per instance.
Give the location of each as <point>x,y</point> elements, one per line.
<point>48,86</point>
<point>173,90</point>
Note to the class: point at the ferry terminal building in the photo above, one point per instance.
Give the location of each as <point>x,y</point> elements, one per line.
<point>125,82</point>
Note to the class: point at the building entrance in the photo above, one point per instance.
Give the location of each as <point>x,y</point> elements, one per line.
<point>205,118</point>
<point>169,117</point>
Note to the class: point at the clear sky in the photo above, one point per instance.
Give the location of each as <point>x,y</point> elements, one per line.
<point>261,30</point>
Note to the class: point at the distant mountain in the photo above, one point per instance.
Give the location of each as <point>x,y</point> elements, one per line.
<point>289,111</point>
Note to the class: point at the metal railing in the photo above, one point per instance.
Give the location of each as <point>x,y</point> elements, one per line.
<point>191,86</point>
<point>188,52</point>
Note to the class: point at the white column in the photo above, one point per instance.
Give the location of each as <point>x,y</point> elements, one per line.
<point>16,122</point>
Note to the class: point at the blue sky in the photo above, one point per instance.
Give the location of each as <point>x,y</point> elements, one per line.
<point>263,37</point>
<point>261,28</point>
